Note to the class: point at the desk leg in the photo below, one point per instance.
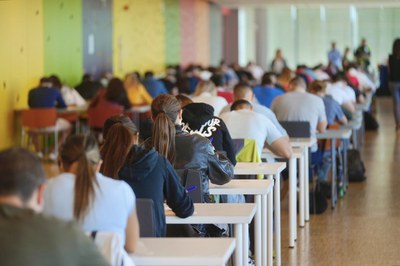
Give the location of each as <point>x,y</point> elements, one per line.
<point>334,181</point>
<point>345,175</point>
<point>303,174</point>
<point>270,229</point>
<point>239,243</point>
<point>277,217</point>
<point>245,244</point>
<point>306,185</point>
<point>258,245</point>
<point>292,201</point>
<point>264,229</point>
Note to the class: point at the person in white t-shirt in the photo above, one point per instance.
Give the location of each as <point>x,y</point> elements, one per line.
<point>242,122</point>
<point>342,93</point>
<point>70,96</point>
<point>96,202</point>
<point>206,92</point>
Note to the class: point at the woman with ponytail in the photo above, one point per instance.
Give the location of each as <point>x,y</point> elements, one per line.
<point>96,202</point>
<point>183,150</point>
<point>150,175</point>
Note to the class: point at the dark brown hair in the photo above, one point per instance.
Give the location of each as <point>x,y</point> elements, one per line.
<point>85,151</point>
<point>317,86</point>
<point>183,100</point>
<point>119,135</point>
<point>396,48</point>
<point>165,109</point>
<point>21,173</point>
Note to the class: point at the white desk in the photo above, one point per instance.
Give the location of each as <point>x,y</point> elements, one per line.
<point>333,135</point>
<point>272,170</point>
<point>297,154</point>
<point>304,144</point>
<point>240,215</point>
<point>183,251</point>
<point>258,188</point>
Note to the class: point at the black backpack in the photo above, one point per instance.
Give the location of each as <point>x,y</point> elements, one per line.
<point>355,167</point>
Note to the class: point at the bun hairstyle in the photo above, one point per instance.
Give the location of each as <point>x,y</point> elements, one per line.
<point>84,151</point>
<point>119,133</point>
<point>165,109</point>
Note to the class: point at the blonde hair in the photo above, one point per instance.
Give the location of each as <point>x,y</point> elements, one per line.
<point>205,86</point>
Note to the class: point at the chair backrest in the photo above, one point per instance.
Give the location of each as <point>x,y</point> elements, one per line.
<point>191,180</point>
<point>111,247</point>
<point>297,129</point>
<point>145,212</point>
<point>101,112</point>
<point>39,117</point>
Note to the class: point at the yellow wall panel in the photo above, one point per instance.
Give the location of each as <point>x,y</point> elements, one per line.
<point>138,36</point>
<point>21,55</point>
<point>202,32</point>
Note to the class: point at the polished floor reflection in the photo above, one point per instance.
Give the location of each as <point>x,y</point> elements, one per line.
<point>364,229</point>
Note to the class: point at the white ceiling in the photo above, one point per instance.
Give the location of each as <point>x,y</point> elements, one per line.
<point>241,3</point>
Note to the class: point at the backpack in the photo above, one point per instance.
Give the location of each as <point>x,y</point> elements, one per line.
<point>318,200</point>
<point>370,122</point>
<point>355,167</point>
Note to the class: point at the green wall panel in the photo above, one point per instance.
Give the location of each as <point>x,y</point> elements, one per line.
<point>63,39</point>
<point>172,32</point>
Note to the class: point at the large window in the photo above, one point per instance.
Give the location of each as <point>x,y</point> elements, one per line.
<point>304,33</point>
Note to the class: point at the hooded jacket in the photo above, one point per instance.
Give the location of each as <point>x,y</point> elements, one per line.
<point>195,152</point>
<point>151,176</point>
<point>199,118</point>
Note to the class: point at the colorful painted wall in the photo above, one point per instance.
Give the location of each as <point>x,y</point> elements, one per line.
<point>46,37</point>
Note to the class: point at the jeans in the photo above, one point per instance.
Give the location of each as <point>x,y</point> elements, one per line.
<point>395,90</point>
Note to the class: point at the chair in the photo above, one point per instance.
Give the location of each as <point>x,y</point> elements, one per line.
<point>98,114</point>
<point>145,212</point>
<point>39,121</point>
<point>191,180</point>
<point>111,247</point>
<point>297,129</point>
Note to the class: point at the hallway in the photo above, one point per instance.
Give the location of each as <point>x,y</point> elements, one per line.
<point>364,229</point>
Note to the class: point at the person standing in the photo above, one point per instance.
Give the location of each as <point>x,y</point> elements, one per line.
<point>278,63</point>
<point>334,56</point>
<point>363,55</point>
<point>394,80</point>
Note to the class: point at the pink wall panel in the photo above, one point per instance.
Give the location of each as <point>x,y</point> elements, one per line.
<point>188,32</point>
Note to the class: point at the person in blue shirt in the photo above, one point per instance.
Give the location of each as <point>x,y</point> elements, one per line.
<point>334,56</point>
<point>266,92</point>
<point>153,86</point>
<point>45,96</point>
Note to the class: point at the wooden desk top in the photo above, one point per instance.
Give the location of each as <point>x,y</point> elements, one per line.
<point>296,153</point>
<point>243,186</point>
<point>259,168</point>
<point>183,251</point>
<point>344,133</point>
<point>218,213</point>
<point>302,142</point>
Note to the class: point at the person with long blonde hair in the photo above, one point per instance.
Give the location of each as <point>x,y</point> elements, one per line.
<point>206,92</point>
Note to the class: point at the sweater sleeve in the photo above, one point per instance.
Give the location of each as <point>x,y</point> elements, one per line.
<point>175,194</point>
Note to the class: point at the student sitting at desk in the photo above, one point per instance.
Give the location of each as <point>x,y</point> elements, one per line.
<point>46,96</point>
<point>149,174</point>
<point>96,202</point>
<point>27,237</point>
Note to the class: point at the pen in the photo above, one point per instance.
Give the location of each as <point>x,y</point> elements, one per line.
<point>191,189</point>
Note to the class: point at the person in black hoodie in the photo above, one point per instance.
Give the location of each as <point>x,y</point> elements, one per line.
<point>199,118</point>
<point>149,174</point>
<point>183,150</point>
